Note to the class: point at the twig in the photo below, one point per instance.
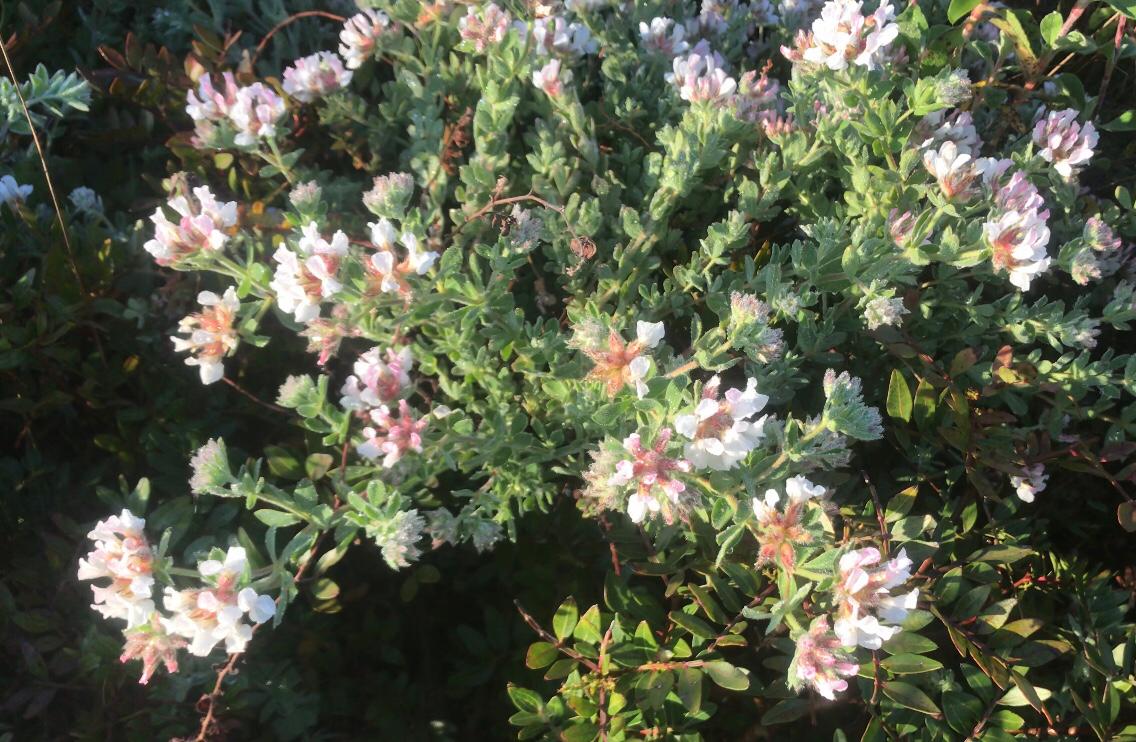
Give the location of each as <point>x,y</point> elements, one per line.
<point>1110,64</point>
<point>553,640</point>
<point>287,21</point>
<point>215,695</point>
<point>879,512</point>
<point>253,397</point>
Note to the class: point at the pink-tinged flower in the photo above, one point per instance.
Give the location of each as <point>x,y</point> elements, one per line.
<point>821,663</point>
<point>389,274</point>
<point>208,616</point>
<point>958,127</point>
<point>255,114</point>
<point>1018,243</point>
<point>619,364</point>
<point>200,228</point>
<point>485,27</point>
<point>900,226</point>
<point>557,37</point>
<point>12,193</point>
<point>954,171</point>
<point>720,431</point>
<point>391,437</point>
<point>551,79</point>
<point>1064,142</point>
<point>360,36</point>
<point>863,597</point>
<point>210,335</point>
<point>1016,194</point>
<point>210,104</point>
<point>122,553</point>
<point>314,76</point>
<point>779,522</point>
<point>154,646</point>
<point>651,473</point>
<point>663,36</point>
<point>759,98</point>
<point>376,382</point>
<point>1099,253</point>
<point>700,77</point>
<point>307,276</point>
<point>843,35</point>
<point>1031,481</point>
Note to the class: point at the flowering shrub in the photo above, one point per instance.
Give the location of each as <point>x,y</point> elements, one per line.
<point>812,309</point>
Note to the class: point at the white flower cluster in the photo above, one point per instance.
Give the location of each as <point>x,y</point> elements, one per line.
<point>720,431</point>
<point>252,111</point>
<point>360,35</point>
<point>307,275</point>
<point>1016,229</point>
<point>12,193</point>
<point>1063,142</point>
<point>314,76</point>
<point>210,334</point>
<point>202,227</point>
<point>387,268</point>
<point>844,36</point>
<point>205,616</point>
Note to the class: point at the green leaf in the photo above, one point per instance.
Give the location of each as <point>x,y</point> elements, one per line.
<point>899,397</point>
<point>1127,7</point>
<point>540,654</point>
<point>908,642</point>
<point>910,664</point>
<point>524,699</point>
<point>565,619</point>
<point>317,465</point>
<point>588,630</point>
<point>909,696</point>
<point>1126,121</point>
<point>276,518</point>
<point>282,463</point>
<point>926,400</point>
<point>901,503</point>
<point>999,553</point>
<point>785,711</point>
<point>959,8</point>
<point>585,732</point>
<point>689,688</point>
<point>693,624</point>
<point>1050,27</point>
<point>962,710</point>
<point>726,675</point>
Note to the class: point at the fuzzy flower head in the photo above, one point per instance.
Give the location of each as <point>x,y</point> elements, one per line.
<point>392,437</point>
<point>883,310</point>
<point>720,430</point>
<point>122,553</point>
<point>210,465</point>
<point>215,613</point>
<point>377,382</point>
<point>314,76</point>
<point>863,597</point>
<point>210,334</point>
<point>387,272</point>
<point>85,200</point>
<point>1063,142</point>
<point>398,537</point>
<point>618,363</point>
<point>821,663</point>
<point>663,36</point>
<point>650,476</point>
<point>389,195</point>
<point>954,170</point>
<point>748,328</point>
<point>484,27</point>
<point>307,275</point>
<point>202,227</point>
<point>784,523</point>
<point>152,644</point>
<point>360,35</point>
<point>255,114</point>
<point>1097,254</point>
<point>1031,481</point>
<point>700,78</point>
<point>844,36</point>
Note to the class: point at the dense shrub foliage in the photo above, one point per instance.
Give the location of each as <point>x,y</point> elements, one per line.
<point>584,371</point>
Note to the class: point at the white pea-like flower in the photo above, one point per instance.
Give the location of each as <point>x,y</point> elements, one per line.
<point>863,596</point>
<point>307,275</point>
<point>1063,142</point>
<point>720,430</point>
<point>360,35</point>
<point>314,76</point>
<point>210,334</point>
